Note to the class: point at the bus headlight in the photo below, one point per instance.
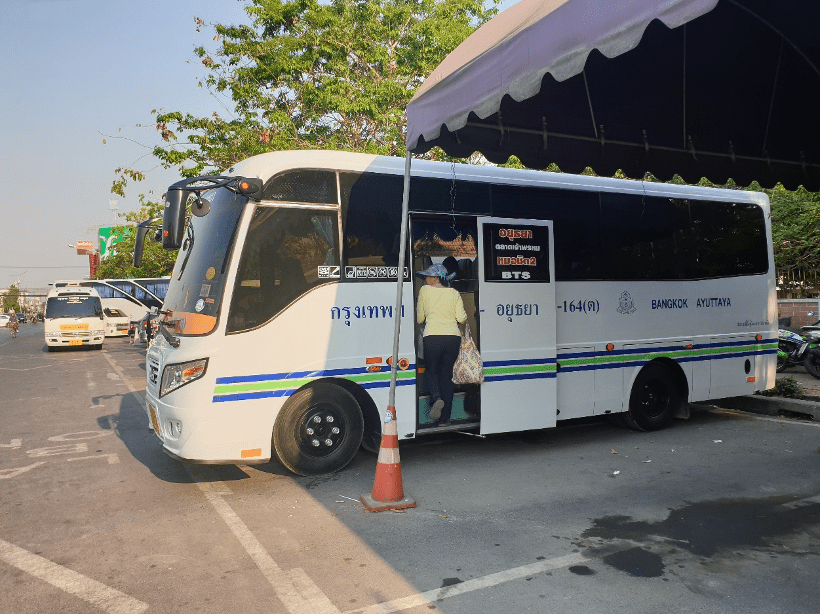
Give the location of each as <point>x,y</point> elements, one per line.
<point>175,376</point>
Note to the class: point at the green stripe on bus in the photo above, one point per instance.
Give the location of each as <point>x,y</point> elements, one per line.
<point>518,370</point>
<point>286,384</point>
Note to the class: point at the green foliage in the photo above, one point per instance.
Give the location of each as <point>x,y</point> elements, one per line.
<point>795,231</point>
<point>156,262</point>
<point>309,75</point>
<point>512,162</point>
<point>784,387</point>
<point>11,300</point>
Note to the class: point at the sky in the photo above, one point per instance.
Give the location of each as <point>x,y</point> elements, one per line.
<point>78,82</point>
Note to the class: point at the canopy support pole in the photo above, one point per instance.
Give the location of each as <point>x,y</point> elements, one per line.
<point>388,490</point>
<point>405,207</point>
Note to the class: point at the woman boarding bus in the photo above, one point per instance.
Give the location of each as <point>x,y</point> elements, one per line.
<point>587,296</point>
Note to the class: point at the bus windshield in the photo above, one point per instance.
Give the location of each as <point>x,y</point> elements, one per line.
<point>73,307</point>
<point>195,296</point>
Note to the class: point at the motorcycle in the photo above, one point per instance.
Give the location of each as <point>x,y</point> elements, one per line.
<point>799,348</point>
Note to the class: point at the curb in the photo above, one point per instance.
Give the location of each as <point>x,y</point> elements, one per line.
<point>771,406</point>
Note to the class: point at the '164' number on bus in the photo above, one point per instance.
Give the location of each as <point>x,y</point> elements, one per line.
<point>580,306</point>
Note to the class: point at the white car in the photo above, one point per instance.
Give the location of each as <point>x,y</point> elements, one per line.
<point>4,319</point>
<point>116,322</point>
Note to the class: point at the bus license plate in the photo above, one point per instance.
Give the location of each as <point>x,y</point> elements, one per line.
<point>154,422</point>
<point>75,342</point>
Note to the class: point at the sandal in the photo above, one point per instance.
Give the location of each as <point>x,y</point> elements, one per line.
<point>435,410</point>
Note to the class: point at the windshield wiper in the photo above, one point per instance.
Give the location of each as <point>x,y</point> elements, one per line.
<point>189,245</point>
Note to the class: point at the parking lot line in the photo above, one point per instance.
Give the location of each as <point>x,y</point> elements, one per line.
<point>419,599</point>
<point>297,592</point>
<point>96,593</point>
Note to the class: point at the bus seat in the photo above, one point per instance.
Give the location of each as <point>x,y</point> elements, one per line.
<point>292,278</point>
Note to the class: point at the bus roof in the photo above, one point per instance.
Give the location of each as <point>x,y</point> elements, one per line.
<point>264,166</point>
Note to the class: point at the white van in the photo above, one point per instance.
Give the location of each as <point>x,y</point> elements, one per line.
<point>116,322</point>
<point>73,318</point>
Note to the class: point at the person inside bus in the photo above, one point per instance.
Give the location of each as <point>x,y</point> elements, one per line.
<point>441,310</point>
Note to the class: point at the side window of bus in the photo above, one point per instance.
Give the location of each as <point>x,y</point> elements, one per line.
<point>728,239</point>
<point>647,237</point>
<point>286,253</point>
<point>303,186</point>
<point>371,221</point>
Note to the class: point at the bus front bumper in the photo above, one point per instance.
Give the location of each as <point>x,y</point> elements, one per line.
<point>200,435</point>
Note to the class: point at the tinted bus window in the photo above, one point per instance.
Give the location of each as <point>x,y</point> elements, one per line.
<point>303,186</point>
<point>577,224</point>
<point>728,239</point>
<point>371,221</point>
<point>446,195</point>
<point>647,238</point>
<point>286,253</point>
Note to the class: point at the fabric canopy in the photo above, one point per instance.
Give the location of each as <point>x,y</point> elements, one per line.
<point>701,88</point>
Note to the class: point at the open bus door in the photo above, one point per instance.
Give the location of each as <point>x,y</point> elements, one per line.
<point>517,319</point>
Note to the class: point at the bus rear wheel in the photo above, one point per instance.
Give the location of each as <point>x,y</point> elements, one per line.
<point>319,430</point>
<point>653,400</point>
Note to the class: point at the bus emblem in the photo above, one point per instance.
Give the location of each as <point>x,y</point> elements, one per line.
<point>625,304</point>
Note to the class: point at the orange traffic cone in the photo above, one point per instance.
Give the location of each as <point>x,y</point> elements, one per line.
<point>388,493</point>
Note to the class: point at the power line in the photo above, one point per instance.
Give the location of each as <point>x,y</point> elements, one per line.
<point>69,266</point>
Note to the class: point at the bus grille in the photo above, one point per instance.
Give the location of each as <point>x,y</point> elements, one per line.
<point>75,334</point>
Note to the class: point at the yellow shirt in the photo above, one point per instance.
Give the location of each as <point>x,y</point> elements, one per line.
<point>440,308</point>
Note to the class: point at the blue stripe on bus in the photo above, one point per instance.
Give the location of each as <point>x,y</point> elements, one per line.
<point>270,377</point>
<point>666,348</point>
<point>637,363</point>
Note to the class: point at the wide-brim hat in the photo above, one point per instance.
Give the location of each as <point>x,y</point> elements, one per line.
<point>437,270</point>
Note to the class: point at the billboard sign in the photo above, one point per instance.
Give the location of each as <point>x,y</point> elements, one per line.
<point>109,238</point>
<point>84,247</point>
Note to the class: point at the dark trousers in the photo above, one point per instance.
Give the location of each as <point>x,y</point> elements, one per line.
<point>440,354</point>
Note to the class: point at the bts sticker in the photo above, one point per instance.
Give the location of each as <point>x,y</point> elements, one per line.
<point>516,253</point>
<point>377,273</point>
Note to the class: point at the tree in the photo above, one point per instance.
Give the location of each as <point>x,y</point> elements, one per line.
<point>11,300</point>
<point>796,234</point>
<point>156,262</point>
<point>305,75</point>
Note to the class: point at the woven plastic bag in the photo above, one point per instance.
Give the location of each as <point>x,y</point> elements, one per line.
<point>469,368</point>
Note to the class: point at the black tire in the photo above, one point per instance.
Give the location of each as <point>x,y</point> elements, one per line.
<point>320,408</point>
<point>653,400</point>
<point>782,363</point>
<point>812,364</point>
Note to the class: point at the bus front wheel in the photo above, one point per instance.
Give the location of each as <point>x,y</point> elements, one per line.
<point>319,430</point>
<point>653,400</point>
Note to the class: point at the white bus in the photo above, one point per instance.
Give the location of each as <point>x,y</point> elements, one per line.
<point>73,318</point>
<point>135,297</point>
<point>587,296</point>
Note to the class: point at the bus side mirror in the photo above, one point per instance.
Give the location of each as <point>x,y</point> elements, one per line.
<point>173,218</point>
<point>139,241</point>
